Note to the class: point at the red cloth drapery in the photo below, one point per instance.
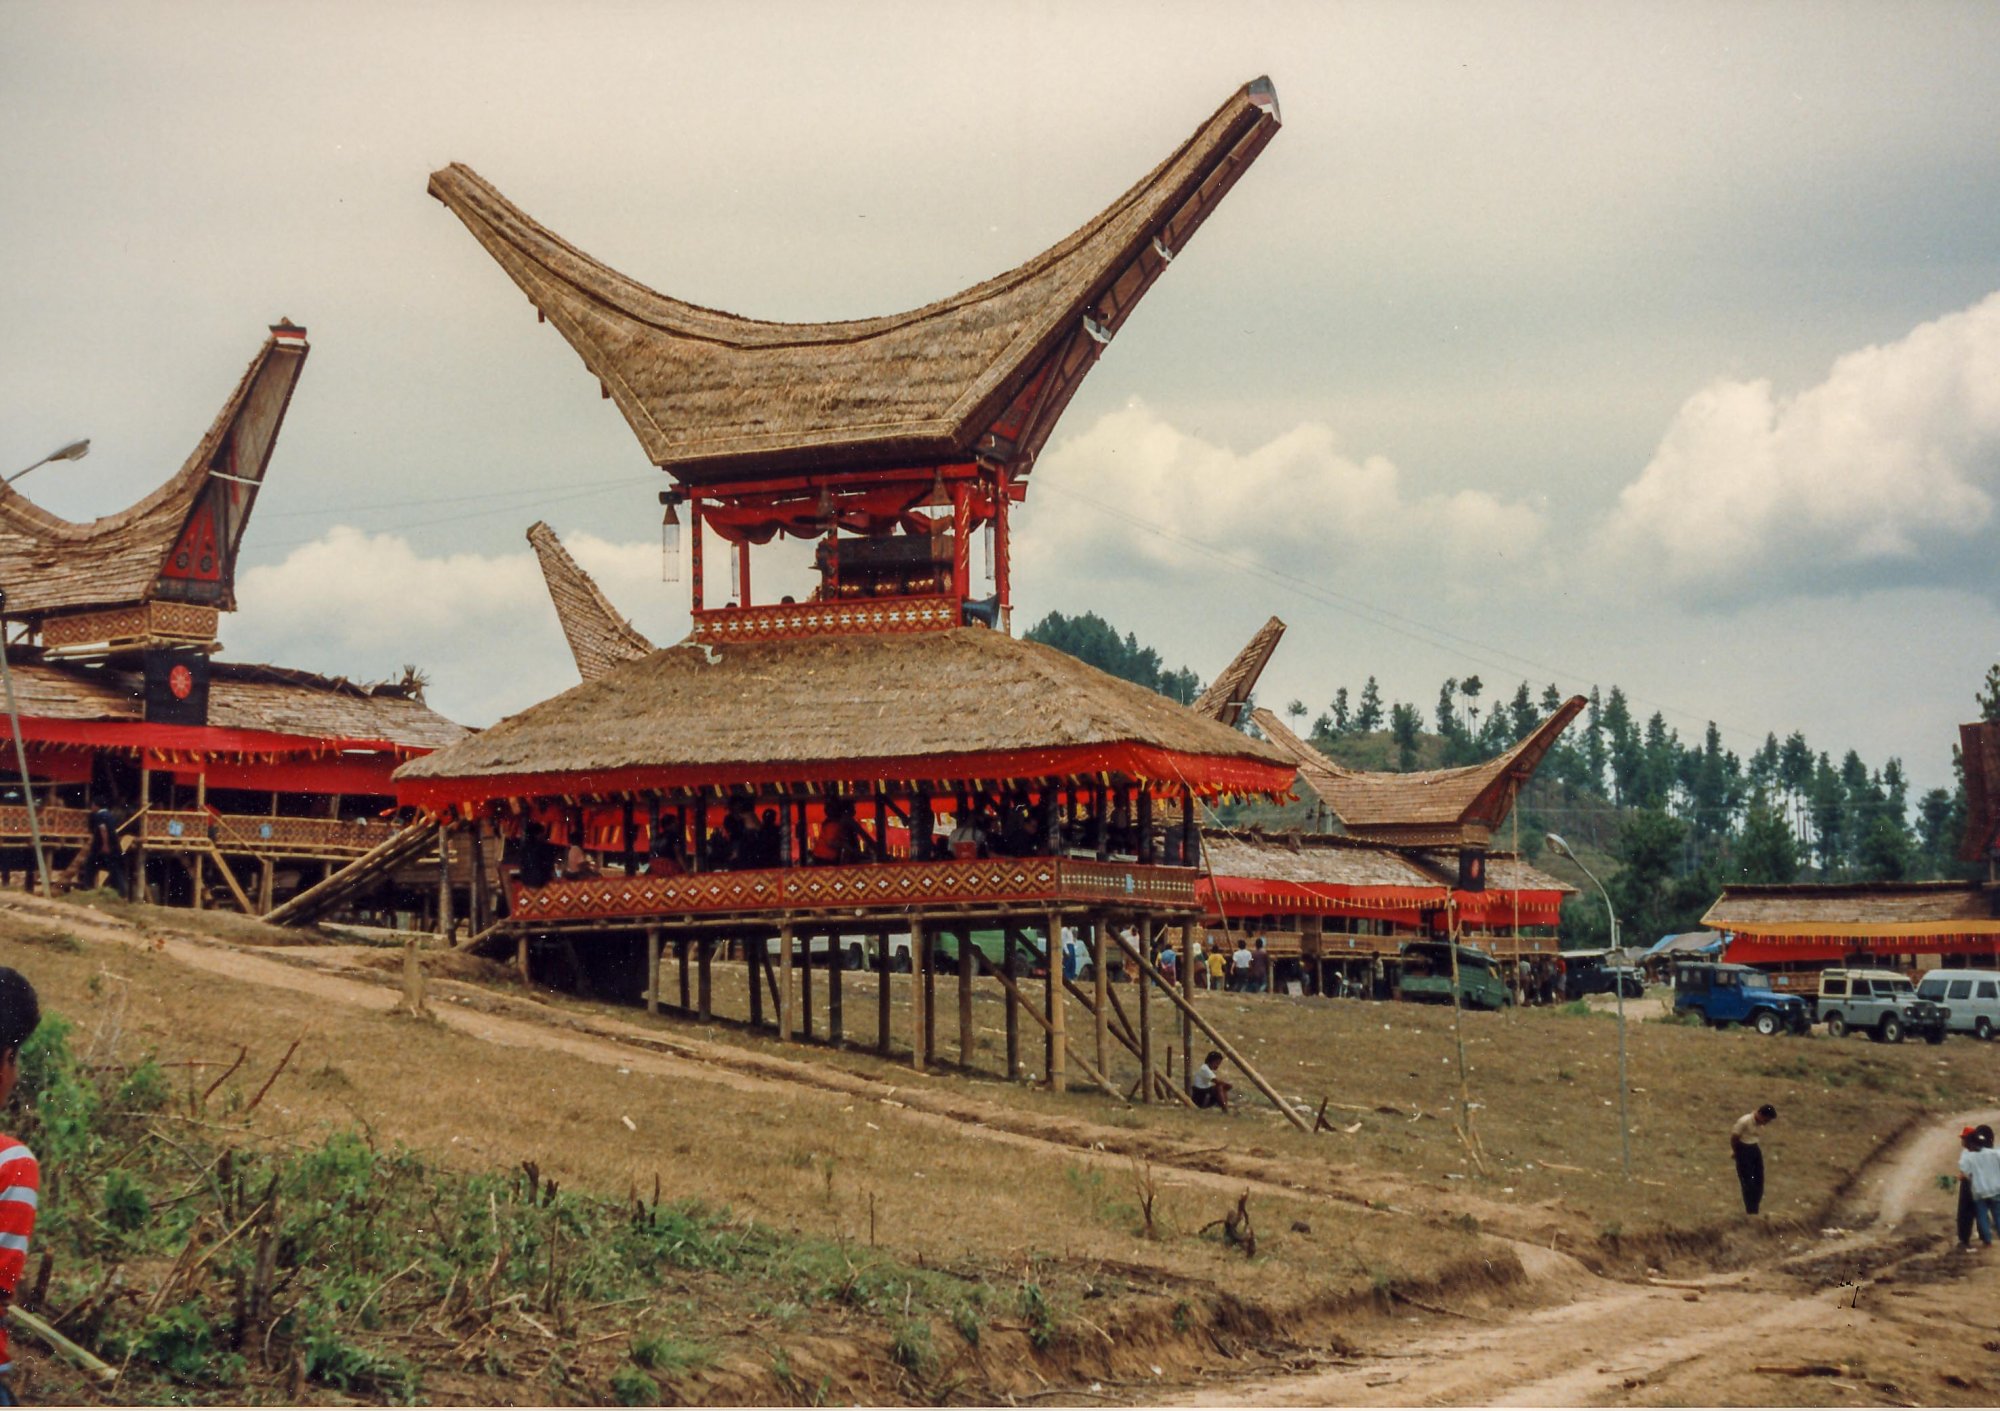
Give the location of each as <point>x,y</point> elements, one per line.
<point>1165,771</point>
<point>1494,907</point>
<point>1777,950</point>
<point>174,744</point>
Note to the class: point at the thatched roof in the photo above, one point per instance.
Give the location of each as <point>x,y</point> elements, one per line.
<point>599,638</point>
<point>712,395</point>
<point>50,564</point>
<point>1311,861</point>
<point>1979,746</point>
<point>1230,690</point>
<point>1807,907</point>
<point>241,696</point>
<point>1432,807</point>
<point>856,708</point>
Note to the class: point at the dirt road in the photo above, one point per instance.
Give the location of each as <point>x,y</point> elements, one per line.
<point>1877,1312</point>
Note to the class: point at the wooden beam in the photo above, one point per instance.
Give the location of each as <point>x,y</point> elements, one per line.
<point>1011,939</point>
<point>1146,1026</point>
<point>920,965</point>
<point>705,993</point>
<point>968,1041</point>
<point>882,1012</point>
<point>445,923</point>
<point>752,973</point>
<point>1089,1070</point>
<point>1131,1046</point>
<point>787,1017</point>
<point>805,1007</point>
<point>1187,998</point>
<point>683,948</point>
<point>1058,1046</point>
<point>836,959</point>
<point>652,970</point>
<point>235,890</point>
<point>1100,986</point>
<point>1257,1080</point>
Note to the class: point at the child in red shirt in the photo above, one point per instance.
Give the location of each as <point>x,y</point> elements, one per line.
<point>20,1177</point>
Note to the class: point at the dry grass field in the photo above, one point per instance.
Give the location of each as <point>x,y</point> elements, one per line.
<point>1013,1220</point>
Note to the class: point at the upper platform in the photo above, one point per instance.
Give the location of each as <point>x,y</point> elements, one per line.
<point>984,374</point>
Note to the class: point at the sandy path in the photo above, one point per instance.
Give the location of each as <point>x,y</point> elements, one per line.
<point>1613,1337</point>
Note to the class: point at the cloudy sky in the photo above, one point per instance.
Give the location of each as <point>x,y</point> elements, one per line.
<point>1656,345</point>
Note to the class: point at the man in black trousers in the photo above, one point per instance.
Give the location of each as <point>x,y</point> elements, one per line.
<point>1749,1155</point>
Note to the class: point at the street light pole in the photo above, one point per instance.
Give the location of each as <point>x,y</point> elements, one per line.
<point>1617,989</point>
<point>74,451</point>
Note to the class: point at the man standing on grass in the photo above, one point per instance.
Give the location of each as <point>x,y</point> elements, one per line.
<point>1749,1155</point>
<point>20,1177</point>
<point>1979,1163</point>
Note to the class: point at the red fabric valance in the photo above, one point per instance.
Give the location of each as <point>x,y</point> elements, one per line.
<point>167,745</point>
<point>1163,771</point>
<point>1775,950</point>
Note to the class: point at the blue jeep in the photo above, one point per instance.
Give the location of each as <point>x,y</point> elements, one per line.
<point>1736,994</point>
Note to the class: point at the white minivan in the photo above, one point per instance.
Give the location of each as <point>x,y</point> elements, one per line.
<point>1972,996</point>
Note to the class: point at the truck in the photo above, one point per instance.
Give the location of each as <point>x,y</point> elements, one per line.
<point>1883,1004</point>
<point>1721,994</point>
<point>1425,977</point>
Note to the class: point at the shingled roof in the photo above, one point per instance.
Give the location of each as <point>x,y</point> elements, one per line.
<point>241,696</point>
<point>50,564</point>
<point>1979,747</point>
<point>863,708</point>
<point>1808,908</point>
<point>1312,861</point>
<point>1230,691</point>
<point>599,638</point>
<point>1425,808</point>
<point>712,395</point>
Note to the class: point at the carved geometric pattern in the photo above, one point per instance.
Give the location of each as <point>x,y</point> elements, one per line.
<point>784,621</point>
<point>150,620</point>
<point>235,834</point>
<point>872,885</point>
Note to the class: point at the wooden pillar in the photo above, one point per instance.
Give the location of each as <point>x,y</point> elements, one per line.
<point>753,973</point>
<point>521,960</point>
<point>968,1042</point>
<point>444,917</point>
<point>930,1000</point>
<point>1100,988</point>
<point>1146,1020</point>
<point>1187,994</point>
<point>1058,1056</point>
<point>267,885</point>
<point>705,989</point>
<point>920,965</point>
<point>1190,832</point>
<point>787,1006</point>
<point>480,901</point>
<point>629,837</point>
<point>139,892</point>
<point>196,866</point>
<point>836,962</point>
<point>1011,939</point>
<point>652,970</point>
<point>806,990</point>
<point>882,971</point>
<point>682,948</point>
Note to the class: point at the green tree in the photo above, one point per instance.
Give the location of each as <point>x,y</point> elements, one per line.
<point>1368,715</point>
<point>1404,726</point>
<point>1988,698</point>
<point>1447,708</point>
<point>1522,712</point>
<point>1089,638</point>
<point>1342,716</point>
<point>1767,850</point>
<point>1644,891</point>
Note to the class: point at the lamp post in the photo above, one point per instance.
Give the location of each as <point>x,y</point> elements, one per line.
<point>74,451</point>
<point>1617,989</point>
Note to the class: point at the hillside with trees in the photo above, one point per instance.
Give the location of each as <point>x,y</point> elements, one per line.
<point>1672,820</point>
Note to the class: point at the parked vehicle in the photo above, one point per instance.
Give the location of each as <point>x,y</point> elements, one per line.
<point>1972,998</point>
<point>1604,980</point>
<point>1881,1003</point>
<point>1425,976</point>
<point>1723,994</point>
<point>854,952</point>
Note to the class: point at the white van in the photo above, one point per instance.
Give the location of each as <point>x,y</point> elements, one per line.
<point>1972,996</point>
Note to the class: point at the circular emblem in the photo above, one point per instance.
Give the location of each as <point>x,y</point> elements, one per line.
<point>181,682</point>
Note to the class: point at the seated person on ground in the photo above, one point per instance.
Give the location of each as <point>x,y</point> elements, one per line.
<point>1206,1089</point>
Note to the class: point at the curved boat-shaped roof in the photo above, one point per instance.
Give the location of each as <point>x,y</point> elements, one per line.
<point>1431,807</point>
<point>937,707</point>
<point>1229,692</point>
<point>713,396</point>
<point>50,564</point>
<point>598,637</point>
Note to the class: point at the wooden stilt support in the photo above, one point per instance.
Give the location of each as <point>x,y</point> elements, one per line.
<point>521,959</point>
<point>652,970</point>
<point>968,1041</point>
<point>920,965</point>
<point>1008,949</point>
<point>1187,1001</point>
<point>266,883</point>
<point>1100,988</point>
<point>480,900</point>
<point>1146,1026</point>
<point>1228,1050</point>
<point>705,991</point>
<point>1131,1045</point>
<point>836,972</point>
<point>805,1009</point>
<point>445,922</point>
<point>1058,1048</point>
<point>753,976</point>
<point>930,999</point>
<point>1029,1007</point>
<point>787,1016</point>
<point>229,877</point>
<point>682,950</point>
<point>883,970</point>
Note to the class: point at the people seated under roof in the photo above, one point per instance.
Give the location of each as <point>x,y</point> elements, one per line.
<point>535,856</point>
<point>577,861</point>
<point>840,838</point>
<point>664,856</point>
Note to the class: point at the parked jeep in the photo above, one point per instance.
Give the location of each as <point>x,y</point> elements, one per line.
<point>1882,1003</point>
<point>1723,994</point>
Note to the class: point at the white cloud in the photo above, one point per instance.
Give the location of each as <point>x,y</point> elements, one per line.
<point>1297,503</point>
<point>1883,474</point>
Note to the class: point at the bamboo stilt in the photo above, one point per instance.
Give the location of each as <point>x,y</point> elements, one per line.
<point>836,960</point>
<point>1146,1032</point>
<point>1058,1047</point>
<point>920,965</point>
<point>787,1009</point>
<point>882,1011</point>
<point>705,993</point>
<point>652,970</point>
<point>1100,985</point>
<point>968,1040</point>
<point>1008,949</point>
<point>1028,1007</point>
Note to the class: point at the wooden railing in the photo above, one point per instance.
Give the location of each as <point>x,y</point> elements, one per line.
<point>253,835</point>
<point>887,886</point>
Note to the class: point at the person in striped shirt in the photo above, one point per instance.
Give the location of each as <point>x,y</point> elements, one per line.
<point>20,1177</point>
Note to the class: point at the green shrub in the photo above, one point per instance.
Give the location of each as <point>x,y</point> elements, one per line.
<point>633,1387</point>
